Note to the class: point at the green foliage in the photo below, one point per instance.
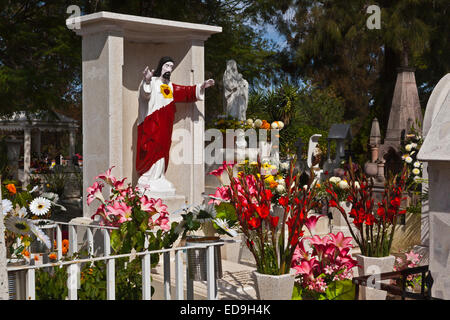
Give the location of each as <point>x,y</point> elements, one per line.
<point>55,180</point>
<point>336,290</point>
<point>305,111</point>
<point>51,285</point>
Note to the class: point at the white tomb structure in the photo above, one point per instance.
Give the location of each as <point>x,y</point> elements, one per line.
<point>115,50</point>
<point>436,151</point>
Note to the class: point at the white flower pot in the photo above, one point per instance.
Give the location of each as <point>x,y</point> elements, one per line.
<point>269,287</point>
<point>373,265</point>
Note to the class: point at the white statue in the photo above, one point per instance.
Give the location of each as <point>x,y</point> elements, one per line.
<point>157,105</point>
<point>235,92</point>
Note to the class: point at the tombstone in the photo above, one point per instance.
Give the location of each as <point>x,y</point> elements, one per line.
<point>115,50</point>
<point>342,134</point>
<point>436,151</point>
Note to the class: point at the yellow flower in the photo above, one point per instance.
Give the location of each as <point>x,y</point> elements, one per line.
<point>253,163</point>
<point>279,177</point>
<point>166,92</point>
<point>270,179</point>
<point>273,184</point>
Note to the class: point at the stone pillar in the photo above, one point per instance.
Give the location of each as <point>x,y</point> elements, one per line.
<point>436,151</point>
<point>26,155</point>
<point>4,289</point>
<point>72,139</point>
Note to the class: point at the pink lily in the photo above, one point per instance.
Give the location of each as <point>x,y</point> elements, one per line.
<point>95,192</point>
<point>107,177</point>
<point>311,222</point>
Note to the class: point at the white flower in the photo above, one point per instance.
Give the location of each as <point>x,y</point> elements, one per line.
<point>7,206</point>
<point>223,224</point>
<point>280,125</point>
<point>250,121</point>
<point>280,188</point>
<point>408,159</point>
<point>18,225</point>
<point>281,181</point>
<point>357,186</point>
<point>343,184</point>
<point>414,145</point>
<point>417,164</point>
<point>335,180</point>
<point>40,206</point>
<point>284,165</point>
<point>258,123</point>
<point>274,125</point>
<point>408,147</point>
<point>416,171</point>
<point>22,212</point>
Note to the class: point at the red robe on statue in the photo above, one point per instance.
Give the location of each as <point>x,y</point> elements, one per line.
<point>155,132</point>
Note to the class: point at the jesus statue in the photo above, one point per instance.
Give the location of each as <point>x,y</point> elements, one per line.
<point>157,105</point>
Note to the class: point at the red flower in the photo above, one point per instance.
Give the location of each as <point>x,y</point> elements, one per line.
<point>283,201</point>
<point>267,195</point>
<point>396,202</point>
<point>263,211</point>
<point>381,212</point>
<point>254,222</point>
<point>370,219</point>
<point>274,221</point>
<point>332,203</point>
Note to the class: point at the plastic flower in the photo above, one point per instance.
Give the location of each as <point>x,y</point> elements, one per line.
<point>417,164</point>
<point>18,225</point>
<point>7,206</point>
<point>343,184</point>
<point>223,224</point>
<point>416,171</point>
<point>40,206</point>
<point>335,180</point>
<point>11,188</point>
<point>408,159</point>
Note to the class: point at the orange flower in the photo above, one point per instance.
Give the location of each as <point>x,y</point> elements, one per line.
<point>90,271</point>
<point>273,184</point>
<point>65,243</point>
<point>64,250</point>
<point>26,253</point>
<point>54,244</point>
<point>36,258</point>
<point>11,188</point>
<point>52,256</point>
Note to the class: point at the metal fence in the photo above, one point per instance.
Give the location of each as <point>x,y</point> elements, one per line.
<point>73,266</point>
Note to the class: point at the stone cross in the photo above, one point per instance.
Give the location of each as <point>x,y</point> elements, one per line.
<point>4,290</point>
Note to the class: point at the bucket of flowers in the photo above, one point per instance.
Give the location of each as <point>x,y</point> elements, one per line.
<point>27,234</point>
<point>371,225</point>
<point>324,268</point>
<point>271,247</point>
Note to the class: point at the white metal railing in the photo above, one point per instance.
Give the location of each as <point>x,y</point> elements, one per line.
<point>73,269</point>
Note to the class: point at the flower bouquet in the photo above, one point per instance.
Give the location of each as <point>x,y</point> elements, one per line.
<point>325,270</point>
<point>251,198</point>
<point>136,216</point>
<point>23,216</point>
<point>375,226</point>
<point>410,260</point>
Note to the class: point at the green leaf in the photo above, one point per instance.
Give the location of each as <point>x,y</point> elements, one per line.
<point>341,290</point>
<point>116,241</point>
<point>297,292</point>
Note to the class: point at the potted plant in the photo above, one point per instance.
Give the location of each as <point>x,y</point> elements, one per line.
<point>324,271</point>
<point>271,247</point>
<point>375,227</point>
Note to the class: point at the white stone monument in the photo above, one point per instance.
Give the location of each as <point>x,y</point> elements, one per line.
<point>115,49</point>
<point>235,92</point>
<point>436,151</point>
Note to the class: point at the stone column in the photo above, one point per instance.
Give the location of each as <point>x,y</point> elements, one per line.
<point>4,289</point>
<point>102,106</point>
<point>72,138</point>
<point>26,155</point>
